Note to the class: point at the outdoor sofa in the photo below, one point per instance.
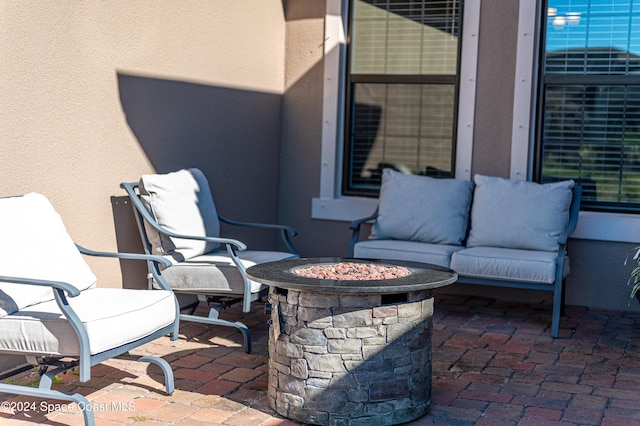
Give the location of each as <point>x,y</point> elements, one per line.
<point>492,231</point>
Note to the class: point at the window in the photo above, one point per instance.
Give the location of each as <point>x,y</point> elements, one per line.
<point>589,115</point>
<point>403,60</point>
<point>331,203</point>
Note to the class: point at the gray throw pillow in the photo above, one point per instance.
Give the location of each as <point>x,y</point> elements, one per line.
<point>421,208</point>
<point>518,214</point>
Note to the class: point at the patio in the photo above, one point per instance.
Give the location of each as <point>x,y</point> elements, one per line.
<point>493,364</point>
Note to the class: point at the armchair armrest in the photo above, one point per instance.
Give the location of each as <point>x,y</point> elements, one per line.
<point>355,227</point>
<point>70,289</point>
<point>134,256</point>
<point>142,210</point>
<point>154,271</point>
<point>574,211</point>
<point>237,245</point>
<point>286,232</point>
<point>60,288</point>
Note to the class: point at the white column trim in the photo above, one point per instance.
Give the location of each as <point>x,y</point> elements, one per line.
<point>521,133</point>
<point>334,39</point>
<point>467,89</point>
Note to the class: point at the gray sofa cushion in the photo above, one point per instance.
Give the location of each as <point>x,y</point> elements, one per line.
<point>180,202</point>
<point>436,254</point>
<point>518,214</point>
<point>506,264</point>
<point>423,209</point>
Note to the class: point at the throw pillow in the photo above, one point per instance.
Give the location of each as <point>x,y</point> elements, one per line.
<point>421,208</point>
<point>518,214</point>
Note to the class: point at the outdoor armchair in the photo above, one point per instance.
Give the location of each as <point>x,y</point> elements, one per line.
<point>177,219</point>
<point>52,312</point>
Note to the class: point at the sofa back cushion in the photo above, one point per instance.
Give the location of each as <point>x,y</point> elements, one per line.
<point>181,202</point>
<point>423,209</point>
<point>518,214</point>
<point>35,244</point>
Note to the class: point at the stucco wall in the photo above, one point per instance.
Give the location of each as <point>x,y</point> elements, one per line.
<point>302,132</point>
<point>95,93</point>
<point>494,89</point>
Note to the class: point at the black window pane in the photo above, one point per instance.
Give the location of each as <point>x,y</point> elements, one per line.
<point>403,62</point>
<point>407,127</point>
<point>590,120</point>
<point>592,134</point>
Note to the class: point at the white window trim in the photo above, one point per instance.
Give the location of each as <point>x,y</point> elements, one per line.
<point>330,205</point>
<point>467,89</point>
<point>600,226</point>
<point>523,93</point>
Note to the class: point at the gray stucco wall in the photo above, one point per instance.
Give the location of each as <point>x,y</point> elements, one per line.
<point>181,125</point>
<point>599,275</point>
<point>495,84</point>
<point>302,132</point>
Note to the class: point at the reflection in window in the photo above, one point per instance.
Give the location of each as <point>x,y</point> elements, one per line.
<point>403,62</point>
<point>590,116</point>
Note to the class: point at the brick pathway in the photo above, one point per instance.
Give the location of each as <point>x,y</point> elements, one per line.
<point>493,364</point>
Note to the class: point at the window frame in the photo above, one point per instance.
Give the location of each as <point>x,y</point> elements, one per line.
<point>560,80</point>
<point>592,225</point>
<point>354,79</point>
<point>331,204</point>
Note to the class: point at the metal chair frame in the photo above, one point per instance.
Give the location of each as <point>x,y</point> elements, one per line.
<point>217,302</point>
<point>50,366</point>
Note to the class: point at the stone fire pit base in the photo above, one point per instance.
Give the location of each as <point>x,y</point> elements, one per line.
<point>350,359</point>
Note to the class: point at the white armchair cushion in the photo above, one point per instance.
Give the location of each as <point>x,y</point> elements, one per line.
<point>29,229</point>
<point>181,202</point>
<point>423,209</point>
<point>107,314</point>
<point>528,215</point>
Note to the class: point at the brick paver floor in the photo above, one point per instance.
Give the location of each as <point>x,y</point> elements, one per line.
<point>493,364</point>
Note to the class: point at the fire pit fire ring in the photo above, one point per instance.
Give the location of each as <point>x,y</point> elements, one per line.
<point>350,352</point>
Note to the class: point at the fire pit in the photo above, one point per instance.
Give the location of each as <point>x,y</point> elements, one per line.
<point>350,351</point>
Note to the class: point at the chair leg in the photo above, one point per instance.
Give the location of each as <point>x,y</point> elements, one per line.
<point>246,334</point>
<point>44,391</point>
<point>188,302</point>
<point>558,306</point>
<point>166,369</point>
<point>563,297</point>
<point>214,311</point>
